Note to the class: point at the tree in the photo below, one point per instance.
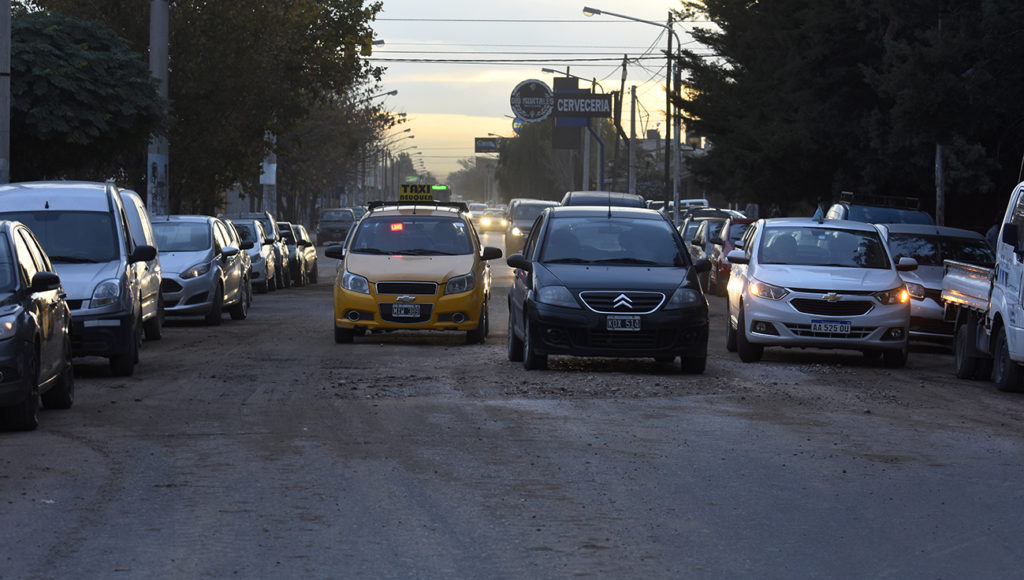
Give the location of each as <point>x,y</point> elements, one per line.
<point>529,167</point>
<point>82,103</point>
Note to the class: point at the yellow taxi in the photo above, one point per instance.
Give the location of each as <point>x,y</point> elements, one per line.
<point>413,266</point>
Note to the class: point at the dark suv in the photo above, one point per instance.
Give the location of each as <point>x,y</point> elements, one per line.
<point>878,209</point>
<point>334,225</point>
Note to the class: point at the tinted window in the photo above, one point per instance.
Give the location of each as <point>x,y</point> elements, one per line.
<point>970,250</point>
<point>412,236</point>
<point>810,246</point>
<point>736,231</point>
<point>247,233</point>
<point>888,215</point>
<point>623,241</point>
<point>528,212</point>
<point>72,236</point>
<point>182,236</point>
<point>8,270</point>
<point>336,215</point>
<point>924,249</point>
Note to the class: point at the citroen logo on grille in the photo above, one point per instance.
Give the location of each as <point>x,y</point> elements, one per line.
<point>622,301</point>
<point>831,297</point>
<point>405,299</point>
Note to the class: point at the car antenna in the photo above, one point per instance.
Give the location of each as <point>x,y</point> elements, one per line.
<point>609,205</point>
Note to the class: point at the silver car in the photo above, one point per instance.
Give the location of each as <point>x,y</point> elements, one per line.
<point>261,254</point>
<point>800,282</point>
<point>203,274</point>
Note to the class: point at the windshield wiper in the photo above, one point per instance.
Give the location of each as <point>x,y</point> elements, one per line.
<point>625,261</point>
<point>74,260</point>
<point>568,261</point>
<point>376,251</point>
<point>424,252</point>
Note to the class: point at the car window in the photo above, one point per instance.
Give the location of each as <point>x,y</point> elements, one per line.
<point>38,255</point>
<point>748,238</point>
<point>531,241</point>
<point>72,236</point>
<point>25,260</point>
<point>970,250</point>
<point>888,215</point>
<point>336,215</point>
<point>622,241</point>
<point>246,232</point>
<point>8,270</point>
<point>736,231</point>
<point>813,246</point>
<point>923,248</point>
<point>527,212</point>
<point>182,236</point>
<point>413,235</point>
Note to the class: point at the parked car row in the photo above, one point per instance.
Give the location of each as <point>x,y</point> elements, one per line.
<point>86,271</point>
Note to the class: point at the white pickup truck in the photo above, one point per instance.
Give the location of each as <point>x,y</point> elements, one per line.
<point>986,305</point>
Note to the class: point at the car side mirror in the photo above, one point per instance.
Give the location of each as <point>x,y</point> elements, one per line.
<point>337,252</point>
<point>702,265</point>
<point>491,253</point>
<point>305,243</point>
<point>247,245</point>
<point>906,265</point>
<point>44,281</point>
<point>228,251</point>
<point>696,243</point>
<point>737,257</point>
<point>142,253</point>
<point>717,241</point>
<point>519,261</point>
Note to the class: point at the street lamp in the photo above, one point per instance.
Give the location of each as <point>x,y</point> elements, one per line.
<point>588,11</point>
<point>390,93</point>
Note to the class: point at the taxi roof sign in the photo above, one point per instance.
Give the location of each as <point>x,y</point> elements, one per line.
<point>416,192</point>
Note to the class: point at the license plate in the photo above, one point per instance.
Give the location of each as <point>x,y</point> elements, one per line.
<point>623,323</point>
<point>405,310</point>
<point>831,326</point>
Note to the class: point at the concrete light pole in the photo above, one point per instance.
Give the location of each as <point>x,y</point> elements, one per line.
<point>5,91</point>
<point>157,184</point>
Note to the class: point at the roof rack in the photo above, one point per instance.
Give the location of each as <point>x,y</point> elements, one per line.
<point>459,205</point>
<point>894,201</point>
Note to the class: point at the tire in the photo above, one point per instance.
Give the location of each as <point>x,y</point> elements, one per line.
<point>123,365</point>
<point>25,415</point>
<point>286,277</point>
<point>479,334</point>
<point>315,277</point>
<point>343,335</point>
<point>300,279</point>
<point>62,394</point>
<point>895,359</point>
<point>241,310</point>
<point>693,365</point>
<point>531,360</point>
<point>216,312</point>
<point>272,283</point>
<point>264,287</point>
<point>514,348</point>
<point>965,366</point>
<point>154,327</point>
<point>748,351</point>
<point>730,332</point>
<point>1006,374</point>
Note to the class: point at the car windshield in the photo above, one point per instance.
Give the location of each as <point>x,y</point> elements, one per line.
<point>337,216</point>
<point>8,271</point>
<point>529,211</point>
<point>932,250</point>
<point>639,242</point>
<point>72,236</point>
<point>412,235</point>
<point>246,232</point>
<point>182,236</point>
<point>888,215</point>
<point>736,231</point>
<point>815,246</point>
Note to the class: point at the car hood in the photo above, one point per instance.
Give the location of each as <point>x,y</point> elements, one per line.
<point>9,303</point>
<point>927,276</point>
<point>827,277</point>
<point>412,268</point>
<point>79,280</point>
<point>591,277</point>
<point>178,262</point>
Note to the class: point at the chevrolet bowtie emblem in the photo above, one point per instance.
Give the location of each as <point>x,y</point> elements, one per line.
<point>622,301</point>
<point>831,297</point>
<point>405,299</point>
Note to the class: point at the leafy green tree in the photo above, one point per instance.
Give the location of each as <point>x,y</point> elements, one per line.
<point>529,167</point>
<point>82,102</point>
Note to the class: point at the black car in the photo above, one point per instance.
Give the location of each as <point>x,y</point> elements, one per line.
<point>519,218</point>
<point>610,282</point>
<point>604,198</point>
<point>334,225</point>
<point>35,332</point>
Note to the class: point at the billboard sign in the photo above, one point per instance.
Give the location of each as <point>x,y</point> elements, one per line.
<point>532,101</point>
<point>487,144</point>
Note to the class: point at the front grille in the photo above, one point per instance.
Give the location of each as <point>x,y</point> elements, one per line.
<point>644,339</point>
<point>421,288</point>
<point>628,302</point>
<point>425,311</point>
<point>856,332</point>
<point>168,285</point>
<point>826,308</point>
<point>75,304</point>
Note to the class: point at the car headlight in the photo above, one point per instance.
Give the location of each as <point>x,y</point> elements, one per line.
<point>485,221</point>
<point>460,284</point>
<point>556,296</point>
<point>683,297</point>
<point>355,282</point>
<point>197,270</point>
<point>916,291</point>
<point>517,232</point>
<point>8,327</point>
<point>762,290</point>
<point>105,294</point>
<point>504,222</point>
<point>895,296</point>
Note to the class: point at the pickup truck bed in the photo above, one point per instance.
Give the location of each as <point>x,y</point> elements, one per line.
<point>967,285</point>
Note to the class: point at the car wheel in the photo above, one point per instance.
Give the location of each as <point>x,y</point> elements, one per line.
<point>531,360</point>
<point>479,334</point>
<point>895,359</point>
<point>748,351</point>
<point>300,279</point>
<point>216,307</point>
<point>62,395</point>
<point>730,332</point>
<point>25,415</point>
<point>514,345</point>
<point>315,277</point>
<point>123,365</point>
<point>693,365</point>
<point>154,327</point>
<point>286,277</point>
<point>1006,373</point>
<point>343,335</point>
<point>964,365</point>
<point>241,310</point>
<point>263,288</point>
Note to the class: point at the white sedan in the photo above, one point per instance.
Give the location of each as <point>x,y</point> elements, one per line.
<point>801,282</point>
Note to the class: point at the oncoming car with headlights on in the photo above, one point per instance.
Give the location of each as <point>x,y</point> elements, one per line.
<point>413,266</point>
<point>606,282</point>
<point>800,282</point>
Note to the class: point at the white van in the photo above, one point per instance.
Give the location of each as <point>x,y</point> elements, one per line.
<point>84,228</point>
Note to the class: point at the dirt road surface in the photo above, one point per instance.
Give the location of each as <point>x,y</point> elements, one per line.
<point>262,449</point>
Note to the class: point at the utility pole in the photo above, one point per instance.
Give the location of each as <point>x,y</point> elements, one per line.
<point>157,184</point>
<point>632,139</point>
<point>5,91</point>
<point>668,114</point>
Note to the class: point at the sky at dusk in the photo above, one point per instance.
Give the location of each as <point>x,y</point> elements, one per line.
<point>448,104</point>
